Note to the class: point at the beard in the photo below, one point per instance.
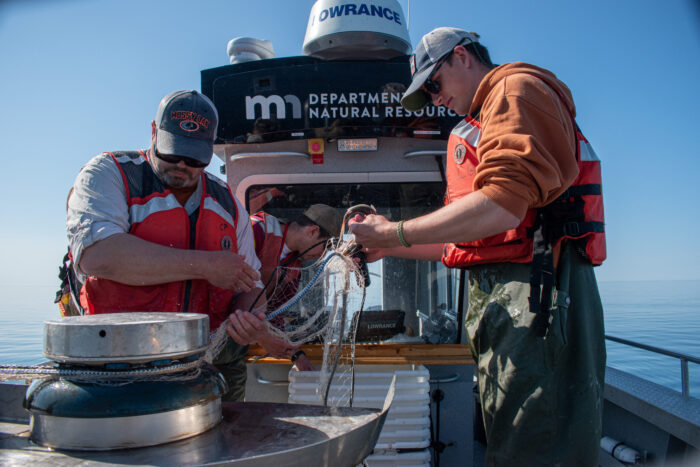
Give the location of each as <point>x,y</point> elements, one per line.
<point>177,178</point>
<point>169,174</point>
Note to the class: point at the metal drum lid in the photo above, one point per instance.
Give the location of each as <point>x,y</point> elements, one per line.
<point>125,337</point>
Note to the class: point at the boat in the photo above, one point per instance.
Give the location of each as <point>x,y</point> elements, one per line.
<point>328,127</point>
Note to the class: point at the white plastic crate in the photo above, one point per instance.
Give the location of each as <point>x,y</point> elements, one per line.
<point>412,438</point>
<point>403,459</point>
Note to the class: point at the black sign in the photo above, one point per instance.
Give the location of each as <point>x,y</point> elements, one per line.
<point>303,97</point>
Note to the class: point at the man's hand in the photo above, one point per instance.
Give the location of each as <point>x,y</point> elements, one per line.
<point>375,254</point>
<point>380,235</point>
<point>246,328</point>
<point>250,328</point>
<point>374,231</point>
<point>275,346</point>
<point>228,270</point>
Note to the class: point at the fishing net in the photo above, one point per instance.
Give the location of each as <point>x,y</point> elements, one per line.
<point>324,309</point>
<point>316,303</point>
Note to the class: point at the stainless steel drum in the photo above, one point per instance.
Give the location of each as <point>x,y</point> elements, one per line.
<point>125,380</point>
<point>125,337</point>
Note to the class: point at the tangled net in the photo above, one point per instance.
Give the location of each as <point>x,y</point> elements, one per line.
<point>324,308</point>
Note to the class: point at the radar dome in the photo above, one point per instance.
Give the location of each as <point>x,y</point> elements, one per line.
<point>344,30</point>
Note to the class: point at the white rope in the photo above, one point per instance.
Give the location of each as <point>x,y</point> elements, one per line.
<point>176,371</point>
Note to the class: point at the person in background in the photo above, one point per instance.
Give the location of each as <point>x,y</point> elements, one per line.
<point>67,296</point>
<point>524,215</point>
<point>149,230</point>
<point>283,246</point>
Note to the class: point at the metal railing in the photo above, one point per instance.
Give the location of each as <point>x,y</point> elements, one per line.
<point>684,358</point>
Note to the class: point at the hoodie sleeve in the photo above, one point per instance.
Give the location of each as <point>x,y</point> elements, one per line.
<point>527,148</point>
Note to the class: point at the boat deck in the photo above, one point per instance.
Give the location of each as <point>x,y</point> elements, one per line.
<point>250,434</point>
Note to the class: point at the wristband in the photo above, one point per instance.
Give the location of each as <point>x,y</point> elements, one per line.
<point>296,355</point>
<point>399,232</point>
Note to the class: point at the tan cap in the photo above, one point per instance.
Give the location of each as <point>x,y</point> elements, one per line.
<point>325,217</point>
<point>431,48</point>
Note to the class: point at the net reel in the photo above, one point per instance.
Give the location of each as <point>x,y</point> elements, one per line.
<point>124,380</point>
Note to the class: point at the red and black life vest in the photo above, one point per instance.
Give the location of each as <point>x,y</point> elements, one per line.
<point>155,215</point>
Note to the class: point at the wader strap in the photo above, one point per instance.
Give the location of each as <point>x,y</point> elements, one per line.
<point>541,275</point>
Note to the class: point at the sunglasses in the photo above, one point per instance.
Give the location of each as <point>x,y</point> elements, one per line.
<point>433,87</point>
<point>189,162</point>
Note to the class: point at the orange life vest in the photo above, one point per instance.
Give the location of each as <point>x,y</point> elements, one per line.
<point>576,214</point>
<point>281,282</point>
<point>156,216</point>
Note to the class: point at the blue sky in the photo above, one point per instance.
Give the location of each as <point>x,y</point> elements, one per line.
<point>82,77</point>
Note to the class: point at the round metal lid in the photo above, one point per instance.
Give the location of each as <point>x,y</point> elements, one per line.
<point>125,337</point>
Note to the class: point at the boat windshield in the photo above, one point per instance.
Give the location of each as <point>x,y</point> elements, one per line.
<point>407,300</point>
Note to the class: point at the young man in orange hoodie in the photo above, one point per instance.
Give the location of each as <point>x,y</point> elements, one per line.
<point>524,215</point>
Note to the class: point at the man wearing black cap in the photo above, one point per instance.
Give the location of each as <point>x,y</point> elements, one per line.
<point>151,231</point>
<point>524,215</point>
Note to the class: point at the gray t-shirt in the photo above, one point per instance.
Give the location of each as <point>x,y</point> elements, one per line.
<point>97,209</point>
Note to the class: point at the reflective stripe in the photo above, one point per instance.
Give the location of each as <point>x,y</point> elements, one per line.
<point>139,212</point>
<point>587,152</point>
<point>273,226</point>
<point>211,204</point>
<point>467,132</point>
<point>124,159</point>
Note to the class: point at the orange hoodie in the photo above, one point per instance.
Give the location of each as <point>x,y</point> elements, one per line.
<point>527,149</point>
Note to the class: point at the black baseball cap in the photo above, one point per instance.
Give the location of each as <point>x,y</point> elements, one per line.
<point>186,125</point>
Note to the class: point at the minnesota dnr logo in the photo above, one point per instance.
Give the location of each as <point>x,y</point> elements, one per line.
<point>226,243</point>
<point>460,152</point>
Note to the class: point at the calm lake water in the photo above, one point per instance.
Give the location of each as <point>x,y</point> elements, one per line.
<point>660,313</point>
